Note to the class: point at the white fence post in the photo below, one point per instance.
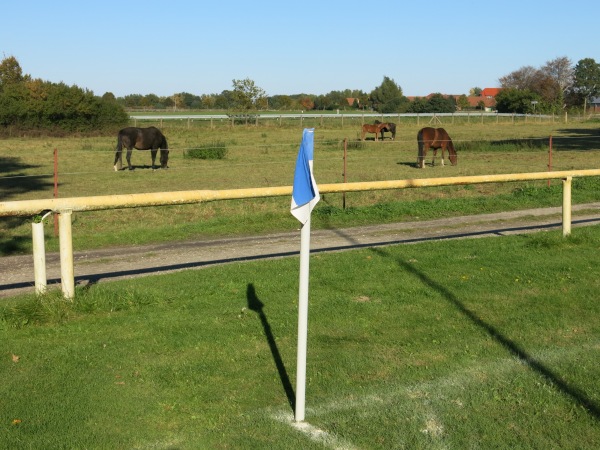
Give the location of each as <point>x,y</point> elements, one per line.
<point>566,206</point>
<point>66,254</point>
<point>39,257</point>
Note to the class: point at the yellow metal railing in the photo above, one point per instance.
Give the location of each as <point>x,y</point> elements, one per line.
<point>65,207</point>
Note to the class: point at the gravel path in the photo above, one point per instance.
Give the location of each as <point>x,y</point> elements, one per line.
<point>93,266</point>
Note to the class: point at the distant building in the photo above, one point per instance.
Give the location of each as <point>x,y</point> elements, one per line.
<point>486,100</point>
<point>490,92</point>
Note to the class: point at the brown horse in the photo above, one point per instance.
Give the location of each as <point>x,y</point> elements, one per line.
<point>389,126</point>
<point>434,138</point>
<point>367,128</point>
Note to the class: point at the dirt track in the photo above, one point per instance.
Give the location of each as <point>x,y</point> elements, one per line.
<point>116,263</point>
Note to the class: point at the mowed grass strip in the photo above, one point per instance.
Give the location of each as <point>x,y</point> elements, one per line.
<point>485,343</point>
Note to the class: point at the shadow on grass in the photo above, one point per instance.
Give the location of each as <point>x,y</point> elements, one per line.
<point>580,139</point>
<point>512,347</point>
<point>13,180</point>
<point>257,306</point>
<point>574,139</point>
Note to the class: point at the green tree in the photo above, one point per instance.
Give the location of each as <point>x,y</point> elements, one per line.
<point>388,97</point>
<point>10,72</point>
<point>512,100</point>
<point>586,80</point>
<point>418,105</point>
<point>439,103</point>
<point>462,102</point>
<point>247,95</point>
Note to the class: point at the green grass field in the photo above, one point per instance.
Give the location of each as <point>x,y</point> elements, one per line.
<point>265,156</point>
<point>484,343</point>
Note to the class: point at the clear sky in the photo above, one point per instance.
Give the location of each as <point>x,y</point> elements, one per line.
<point>292,47</point>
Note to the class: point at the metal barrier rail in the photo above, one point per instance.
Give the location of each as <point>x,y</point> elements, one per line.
<point>66,206</point>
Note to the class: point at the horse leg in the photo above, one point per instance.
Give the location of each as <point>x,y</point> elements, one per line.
<point>153,153</point>
<point>421,156</point>
<point>433,157</point>
<point>119,159</point>
<point>443,151</point>
<point>129,150</point>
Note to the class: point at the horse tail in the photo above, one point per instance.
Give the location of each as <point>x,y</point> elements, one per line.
<point>119,153</point>
<point>164,153</point>
<point>421,154</point>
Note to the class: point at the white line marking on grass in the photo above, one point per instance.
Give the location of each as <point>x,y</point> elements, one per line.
<point>315,434</point>
<point>416,402</point>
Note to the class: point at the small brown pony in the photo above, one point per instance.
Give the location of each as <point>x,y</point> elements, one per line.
<point>389,126</point>
<point>434,138</point>
<point>367,128</point>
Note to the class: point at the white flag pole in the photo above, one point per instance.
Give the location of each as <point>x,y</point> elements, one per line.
<point>305,195</point>
<point>302,321</point>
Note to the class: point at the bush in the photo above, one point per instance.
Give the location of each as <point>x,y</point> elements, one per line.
<point>215,150</point>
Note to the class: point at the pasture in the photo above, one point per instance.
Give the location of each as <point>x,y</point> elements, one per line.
<point>483,343</point>
<point>487,343</point>
<point>265,156</point>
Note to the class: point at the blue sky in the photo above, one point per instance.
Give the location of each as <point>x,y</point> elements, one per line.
<point>286,47</point>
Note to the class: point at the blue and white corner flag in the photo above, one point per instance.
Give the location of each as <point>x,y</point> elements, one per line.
<point>305,193</point>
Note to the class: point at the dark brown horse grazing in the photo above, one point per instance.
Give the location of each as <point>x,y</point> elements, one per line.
<point>389,126</point>
<point>149,138</point>
<point>434,138</point>
<point>367,128</point>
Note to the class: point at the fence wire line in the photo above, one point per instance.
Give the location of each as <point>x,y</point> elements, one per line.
<point>556,166</point>
<point>290,144</point>
<point>356,156</point>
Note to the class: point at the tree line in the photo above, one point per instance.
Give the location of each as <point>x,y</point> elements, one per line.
<point>245,96</point>
<point>27,103</point>
<point>553,88</point>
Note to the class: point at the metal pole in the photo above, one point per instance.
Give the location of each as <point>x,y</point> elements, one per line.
<point>566,207</point>
<point>302,322</point>
<point>66,254</point>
